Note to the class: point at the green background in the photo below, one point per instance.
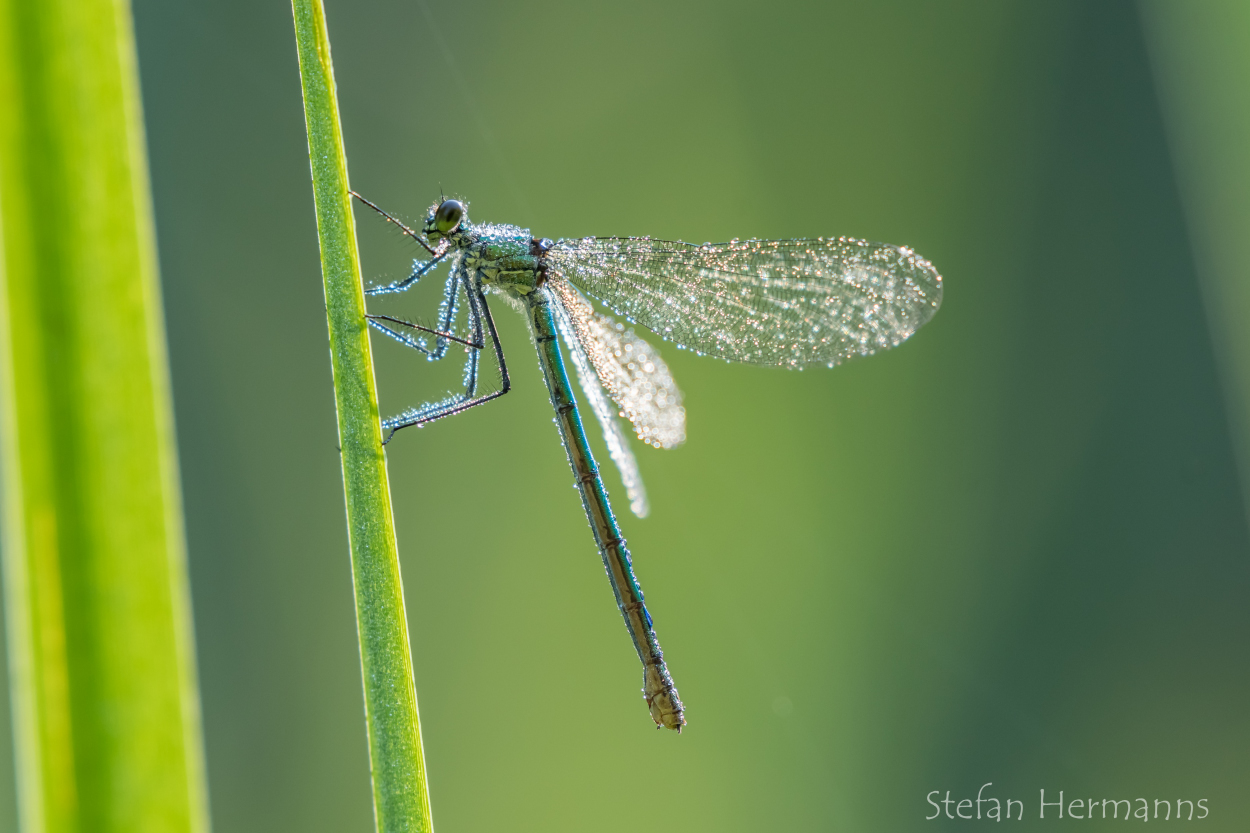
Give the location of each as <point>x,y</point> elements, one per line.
<point>1014,550</point>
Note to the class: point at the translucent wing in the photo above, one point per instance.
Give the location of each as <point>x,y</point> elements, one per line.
<point>631,370</point>
<point>774,302</point>
<point>613,436</point>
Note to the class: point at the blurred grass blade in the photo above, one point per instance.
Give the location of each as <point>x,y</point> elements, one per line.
<point>1201,58</point>
<point>106,715</point>
<point>400,795</point>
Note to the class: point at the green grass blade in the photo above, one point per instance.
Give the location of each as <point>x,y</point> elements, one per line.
<point>106,714</point>
<point>400,795</point>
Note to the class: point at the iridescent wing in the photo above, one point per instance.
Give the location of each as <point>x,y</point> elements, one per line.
<point>629,369</point>
<point>618,446</point>
<point>610,358</point>
<point>774,302</point>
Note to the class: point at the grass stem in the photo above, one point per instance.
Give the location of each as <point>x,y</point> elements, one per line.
<point>400,795</point>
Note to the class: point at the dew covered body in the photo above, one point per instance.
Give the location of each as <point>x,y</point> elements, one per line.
<point>788,303</point>
<point>500,258</point>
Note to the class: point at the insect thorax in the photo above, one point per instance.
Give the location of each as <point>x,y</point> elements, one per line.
<point>500,257</point>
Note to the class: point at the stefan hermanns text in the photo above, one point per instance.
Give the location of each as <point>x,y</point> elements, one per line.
<point>990,807</point>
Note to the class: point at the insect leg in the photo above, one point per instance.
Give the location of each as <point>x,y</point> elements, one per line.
<point>446,316</point>
<point>479,313</point>
<point>419,269</point>
<point>409,341</point>
<point>392,219</point>
<point>475,327</point>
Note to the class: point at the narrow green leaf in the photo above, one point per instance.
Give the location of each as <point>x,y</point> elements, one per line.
<point>400,795</point>
<point>106,720</point>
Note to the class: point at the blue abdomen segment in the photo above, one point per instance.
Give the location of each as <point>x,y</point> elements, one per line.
<point>658,688</point>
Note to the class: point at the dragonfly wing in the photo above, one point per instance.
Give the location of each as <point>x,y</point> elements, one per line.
<point>618,445</point>
<point>774,302</point>
<point>631,370</point>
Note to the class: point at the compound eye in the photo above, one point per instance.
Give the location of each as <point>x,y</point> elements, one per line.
<point>448,216</point>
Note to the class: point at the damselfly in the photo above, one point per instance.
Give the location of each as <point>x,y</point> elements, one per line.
<point>789,303</point>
